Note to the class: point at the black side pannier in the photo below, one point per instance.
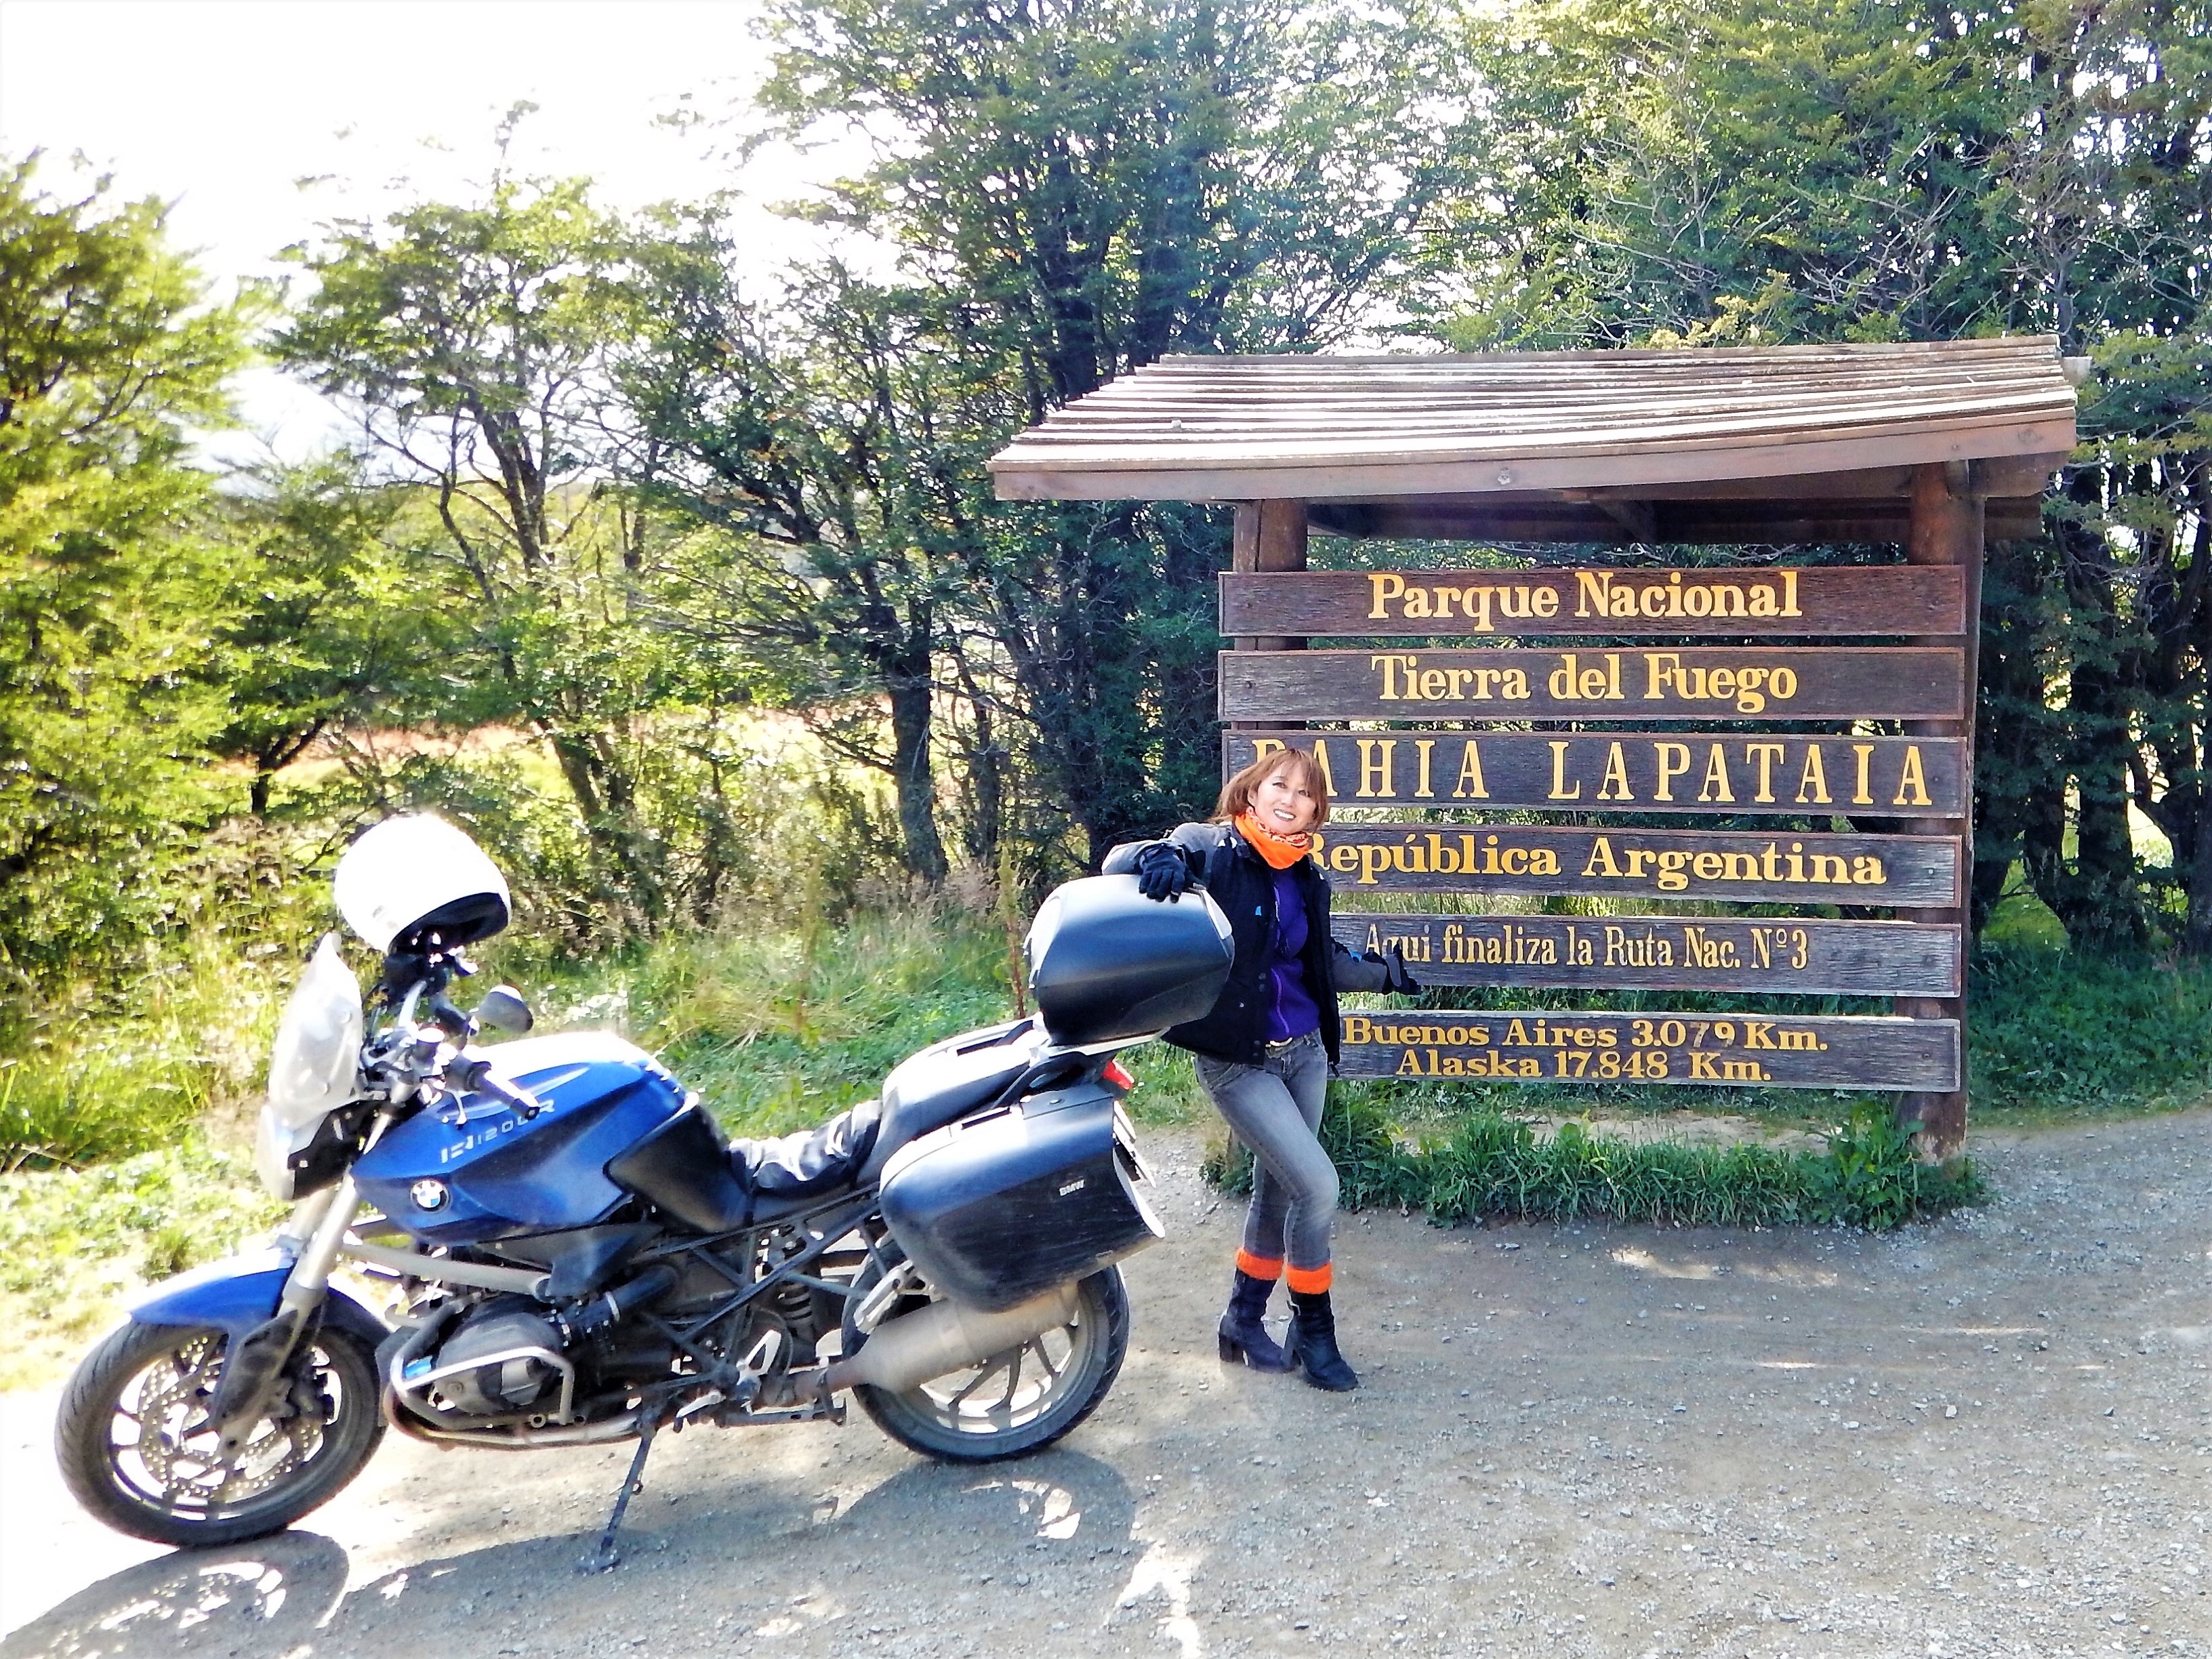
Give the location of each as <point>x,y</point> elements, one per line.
<point>1012,1201</point>
<point>1106,962</point>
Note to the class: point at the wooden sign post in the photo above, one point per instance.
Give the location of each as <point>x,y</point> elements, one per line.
<point>1628,712</point>
<point>1834,701</point>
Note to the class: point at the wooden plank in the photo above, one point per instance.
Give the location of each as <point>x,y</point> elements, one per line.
<point>1765,600</point>
<point>1730,866</point>
<point>1723,682</point>
<point>1025,472</point>
<point>1947,531</point>
<point>1742,1050</point>
<point>1770,773</point>
<point>1797,955</point>
<point>1777,522</point>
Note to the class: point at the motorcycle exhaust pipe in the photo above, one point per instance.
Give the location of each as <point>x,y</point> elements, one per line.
<point>905,1352</point>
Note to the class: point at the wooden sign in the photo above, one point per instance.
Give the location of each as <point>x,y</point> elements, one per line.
<point>1729,865</point>
<point>1629,771</point>
<point>1734,600</point>
<point>1794,954</point>
<point>1710,683</point>
<point>1746,1050</point>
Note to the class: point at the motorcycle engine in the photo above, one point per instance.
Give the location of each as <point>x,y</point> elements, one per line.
<point>504,1358</point>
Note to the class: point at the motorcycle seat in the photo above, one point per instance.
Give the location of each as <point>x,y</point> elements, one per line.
<point>950,1079</point>
<point>808,1162</point>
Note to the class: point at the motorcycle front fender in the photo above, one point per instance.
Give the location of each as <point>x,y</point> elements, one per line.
<point>241,1293</point>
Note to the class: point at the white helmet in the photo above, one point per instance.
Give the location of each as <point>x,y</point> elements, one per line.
<point>412,881</point>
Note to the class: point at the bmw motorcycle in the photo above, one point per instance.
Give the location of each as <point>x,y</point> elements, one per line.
<point>575,1256</point>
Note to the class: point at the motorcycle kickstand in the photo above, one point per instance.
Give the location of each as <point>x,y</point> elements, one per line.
<point>605,1557</point>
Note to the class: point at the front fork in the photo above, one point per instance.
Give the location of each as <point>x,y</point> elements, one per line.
<point>253,1369</point>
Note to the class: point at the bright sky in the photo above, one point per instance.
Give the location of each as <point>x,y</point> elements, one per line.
<point>221,105</point>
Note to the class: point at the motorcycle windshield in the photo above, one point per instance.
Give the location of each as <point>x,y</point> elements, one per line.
<point>318,1050</point>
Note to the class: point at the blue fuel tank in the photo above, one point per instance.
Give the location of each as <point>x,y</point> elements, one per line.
<point>499,1176</point>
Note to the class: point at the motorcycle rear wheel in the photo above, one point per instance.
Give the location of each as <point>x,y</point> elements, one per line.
<point>135,1451</point>
<point>1020,1401</point>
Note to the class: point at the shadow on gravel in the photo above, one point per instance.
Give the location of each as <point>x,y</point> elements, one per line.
<point>266,1596</point>
<point>762,1564</point>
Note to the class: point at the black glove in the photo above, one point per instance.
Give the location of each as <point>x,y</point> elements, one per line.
<point>1397,982</point>
<point>1162,874</point>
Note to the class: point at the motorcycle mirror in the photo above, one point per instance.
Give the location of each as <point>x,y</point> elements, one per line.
<point>504,1010</point>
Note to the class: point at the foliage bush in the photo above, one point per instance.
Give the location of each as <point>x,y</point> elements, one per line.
<point>71,1241</point>
<point>1490,1165</point>
<point>2066,1033</point>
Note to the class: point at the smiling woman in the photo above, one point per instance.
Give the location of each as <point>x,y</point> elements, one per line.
<point>1265,1051</point>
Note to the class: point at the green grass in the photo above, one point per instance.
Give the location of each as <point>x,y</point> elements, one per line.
<point>72,1242</point>
<point>2056,1035</point>
<point>779,1025</point>
<point>1488,1164</point>
<point>106,1077</point>
<point>778,1028</point>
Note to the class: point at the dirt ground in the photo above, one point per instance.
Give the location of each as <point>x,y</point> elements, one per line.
<point>1991,1435</point>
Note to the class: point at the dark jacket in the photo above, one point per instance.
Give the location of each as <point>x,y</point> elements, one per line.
<point>1243,886</point>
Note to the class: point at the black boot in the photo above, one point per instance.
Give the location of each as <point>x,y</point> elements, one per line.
<point>1244,1339</point>
<point>1313,1343</point>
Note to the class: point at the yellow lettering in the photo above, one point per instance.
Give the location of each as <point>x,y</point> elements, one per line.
<point>1614,785</point>
<point>1470,774</point>
<point>1600,862</point>
<point>1383,588</point>
<point>1765,754</point>
<point>1911,787</point>
<point>1559,790</point>
<point>1674,759</point>
<point>1716,786</point>
<point>1813,778</point>
<point>1374,773</point>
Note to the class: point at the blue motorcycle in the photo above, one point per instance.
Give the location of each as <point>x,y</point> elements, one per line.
<point>575,1256</point>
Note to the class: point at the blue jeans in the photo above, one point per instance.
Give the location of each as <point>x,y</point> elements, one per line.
<point>1274,1107</point>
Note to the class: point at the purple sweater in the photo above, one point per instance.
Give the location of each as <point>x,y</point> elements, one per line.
<point>1291,1010</point>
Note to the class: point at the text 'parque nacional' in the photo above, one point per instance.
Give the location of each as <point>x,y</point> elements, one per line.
<point>1788,600</point>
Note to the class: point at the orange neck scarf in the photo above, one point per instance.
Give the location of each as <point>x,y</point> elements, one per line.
<point>1281,852</point>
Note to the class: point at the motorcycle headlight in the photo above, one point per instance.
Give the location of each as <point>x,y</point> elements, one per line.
<point>312,1066</point>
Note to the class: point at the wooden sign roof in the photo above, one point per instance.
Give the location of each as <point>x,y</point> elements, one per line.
<point>1585,428</point>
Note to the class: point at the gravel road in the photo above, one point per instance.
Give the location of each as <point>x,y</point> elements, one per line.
<point>1986,1435</point>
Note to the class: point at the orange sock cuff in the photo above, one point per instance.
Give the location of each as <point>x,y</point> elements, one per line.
<point>1310,1281</point>
<point>1259,1266</point>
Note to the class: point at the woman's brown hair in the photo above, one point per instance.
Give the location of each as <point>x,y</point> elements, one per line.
<point>1236,794</point>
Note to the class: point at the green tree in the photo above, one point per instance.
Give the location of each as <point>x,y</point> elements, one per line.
<point>1869,169</point>
<point>1078,191</point>
<point>829,449</point>
<point>318,628</point>
<point>472,343</point>
<point>111,353</point>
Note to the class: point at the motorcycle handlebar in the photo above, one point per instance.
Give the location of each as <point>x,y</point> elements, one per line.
<point>465,1075</point>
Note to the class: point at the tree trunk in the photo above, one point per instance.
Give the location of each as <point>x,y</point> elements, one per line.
<point>911,693</point>
<point>627,863</point>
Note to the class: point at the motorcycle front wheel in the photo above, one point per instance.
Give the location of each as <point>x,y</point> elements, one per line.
<point>136,1449</point>
<point>1019,1400</point>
